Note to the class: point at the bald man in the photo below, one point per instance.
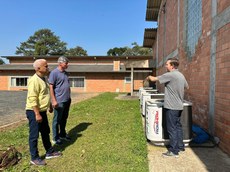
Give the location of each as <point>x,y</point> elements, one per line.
<point>37,104</point>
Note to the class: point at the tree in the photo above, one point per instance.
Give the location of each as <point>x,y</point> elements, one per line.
<point>1,61</point>
<point>116,51</point>
<point>77,51</point>
<point>43,42</point>
<point>136,50</point>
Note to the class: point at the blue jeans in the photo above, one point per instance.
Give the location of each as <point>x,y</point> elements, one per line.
<point>61,114</point>
<point>174,129</point>
<point>34,129</point>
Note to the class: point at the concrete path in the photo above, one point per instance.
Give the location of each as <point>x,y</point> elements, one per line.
<point>193,159</point>
<point>204,158</point>
<point>12,106</point>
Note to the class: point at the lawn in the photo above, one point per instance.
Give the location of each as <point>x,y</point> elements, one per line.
<point>107,136</point>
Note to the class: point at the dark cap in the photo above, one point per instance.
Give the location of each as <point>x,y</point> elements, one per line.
<point>63,59</point>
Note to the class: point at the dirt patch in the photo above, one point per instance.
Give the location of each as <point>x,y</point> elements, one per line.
<point>13,125</point>
<point>126,97</point>
<point>78,97</point>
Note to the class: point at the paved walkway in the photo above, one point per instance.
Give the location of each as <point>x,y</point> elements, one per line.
<point>12,106</point>
<point>193,159</point>
<point>202,158</point>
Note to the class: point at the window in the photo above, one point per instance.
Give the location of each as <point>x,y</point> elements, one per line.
<point>127,80</point>
<point>193,24</point>
<point>19,81</point>
<point>77,82</point>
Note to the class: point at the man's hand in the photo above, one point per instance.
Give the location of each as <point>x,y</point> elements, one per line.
<point>152,78</point>
<point>54,104</point>
<point>38,118</point>
<point>51,109</point>
<point>147,78</point>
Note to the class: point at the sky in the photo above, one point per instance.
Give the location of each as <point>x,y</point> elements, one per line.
<point>94,25</point>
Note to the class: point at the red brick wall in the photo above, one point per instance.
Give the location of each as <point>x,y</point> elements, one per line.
<point>102,82</point>
<point>94,82</point>
<point>197,69</point>
<point>5,79</point>
<point>160,35</point>
<point>222,5</point>
<point>110,82</point>
<point>3,82</point>
<point>116,65</point>
<point>222,117</point>
<point>171,28</point>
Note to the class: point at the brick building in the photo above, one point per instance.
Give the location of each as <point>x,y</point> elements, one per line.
<point>198,33</point>
<point>87,73</point>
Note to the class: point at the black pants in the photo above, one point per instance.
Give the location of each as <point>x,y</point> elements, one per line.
<point>174,129</point>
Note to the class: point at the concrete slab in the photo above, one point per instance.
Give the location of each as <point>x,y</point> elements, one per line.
<point>12,106</point>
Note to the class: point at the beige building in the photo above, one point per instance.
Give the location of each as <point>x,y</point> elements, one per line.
<point>86,73</point>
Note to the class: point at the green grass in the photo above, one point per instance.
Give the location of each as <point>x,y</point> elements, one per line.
<point>107,136</point>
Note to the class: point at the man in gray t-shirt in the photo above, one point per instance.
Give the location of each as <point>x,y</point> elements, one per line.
<point>175,83</point>
<point>61,100</point>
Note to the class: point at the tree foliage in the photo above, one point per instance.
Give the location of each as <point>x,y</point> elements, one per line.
<point>43,42</point>
<point>77,51</point>
<point>1,61</point>
<point>116,51</point>
<point>135,50</point>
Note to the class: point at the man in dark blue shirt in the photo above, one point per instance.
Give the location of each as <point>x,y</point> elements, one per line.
<point>61,100</point>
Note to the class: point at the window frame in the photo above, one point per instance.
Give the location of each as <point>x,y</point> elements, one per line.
<point>15,82</point>
<point>76,77</point>
<point>126,81</point>
<point>192,34</point>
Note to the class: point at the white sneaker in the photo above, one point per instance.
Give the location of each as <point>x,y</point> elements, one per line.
<point>57,142</point>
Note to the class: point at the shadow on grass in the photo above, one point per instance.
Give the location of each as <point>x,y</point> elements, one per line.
<point>74,134</point>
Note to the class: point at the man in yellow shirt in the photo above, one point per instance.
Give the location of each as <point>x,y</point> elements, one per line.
<point>37,104</point>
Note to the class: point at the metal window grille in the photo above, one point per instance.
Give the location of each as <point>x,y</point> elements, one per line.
<point>19,81</point>
<point>193,24</point>
<point>77,82</point>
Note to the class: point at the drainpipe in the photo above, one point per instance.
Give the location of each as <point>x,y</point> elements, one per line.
<point>212,89</point>
<point>164,41</point>
<point>132,80</point>
<point>178,25</point>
